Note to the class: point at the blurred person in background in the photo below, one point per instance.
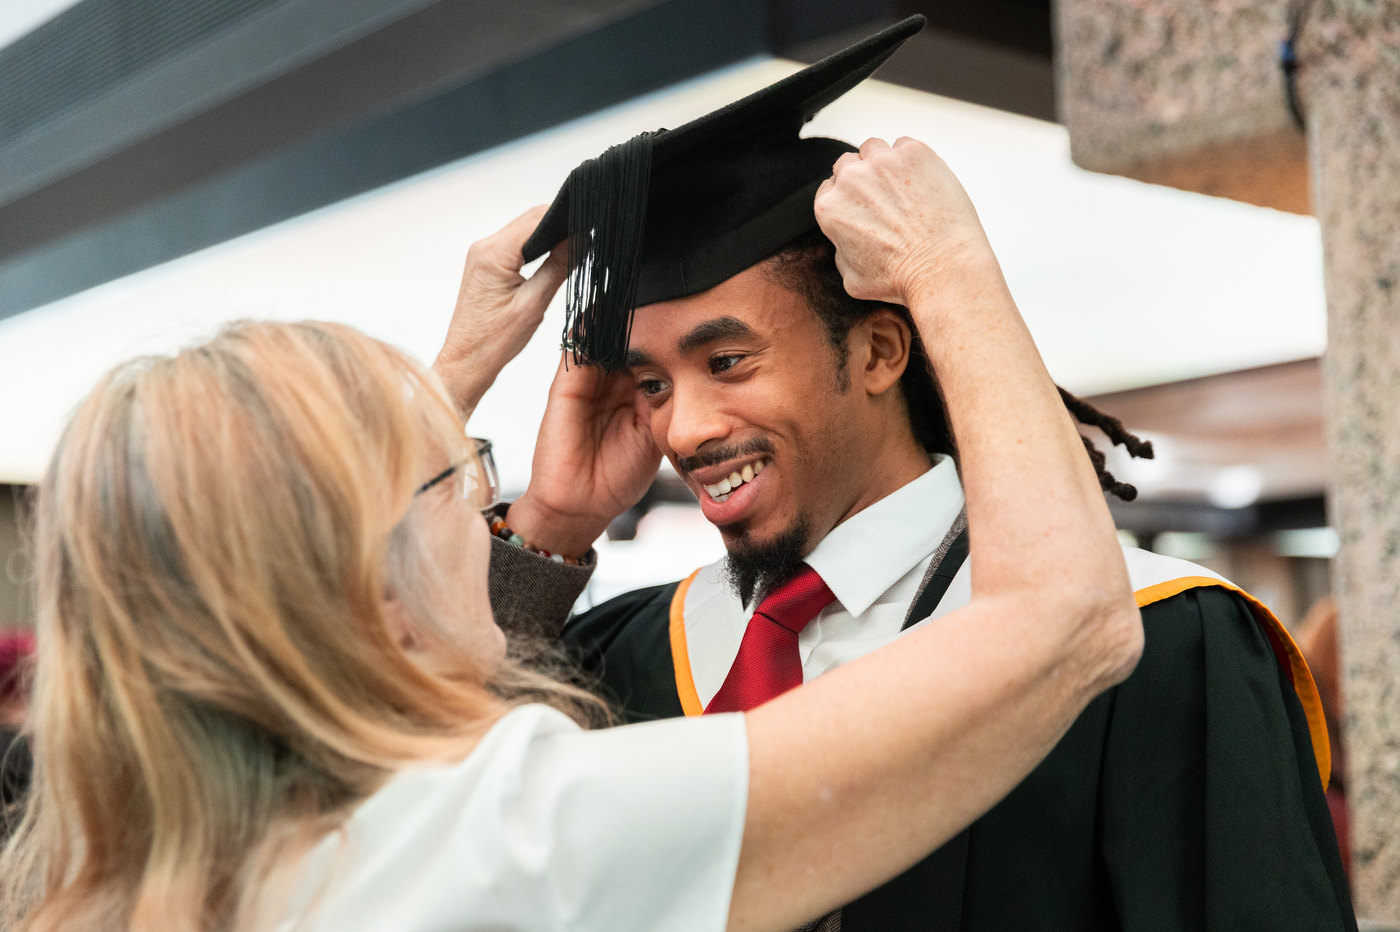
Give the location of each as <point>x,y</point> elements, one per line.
<point>270,692</point>
<point>1317,638</point>
<point>803,415</point>
<point>16,653</point>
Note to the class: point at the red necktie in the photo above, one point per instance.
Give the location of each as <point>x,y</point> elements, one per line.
<point>768,664</point>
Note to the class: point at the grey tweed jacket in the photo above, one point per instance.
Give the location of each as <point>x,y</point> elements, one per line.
<point>531,595</point>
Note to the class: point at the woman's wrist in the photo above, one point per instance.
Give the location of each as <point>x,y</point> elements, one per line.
<point>553,530</point>
<point>943,282</point>
<point>504,532</point>
<point>462,375</point>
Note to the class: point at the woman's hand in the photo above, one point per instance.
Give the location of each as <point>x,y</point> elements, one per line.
<point>594,459</point>
<point>498,310</point>
<point>899,219</point>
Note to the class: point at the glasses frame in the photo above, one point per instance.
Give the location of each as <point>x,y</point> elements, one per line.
<point>488,468</point>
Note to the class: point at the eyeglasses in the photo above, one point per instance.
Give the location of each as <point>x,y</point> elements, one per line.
<point>478,480</point>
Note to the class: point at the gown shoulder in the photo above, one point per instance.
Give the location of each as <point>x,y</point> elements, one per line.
<point>625,643</point>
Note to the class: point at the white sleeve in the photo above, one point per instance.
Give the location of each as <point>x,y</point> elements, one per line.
<point>546,827</point>
<point>647,820</point>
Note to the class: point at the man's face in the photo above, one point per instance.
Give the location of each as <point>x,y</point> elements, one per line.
<point>742,384</point>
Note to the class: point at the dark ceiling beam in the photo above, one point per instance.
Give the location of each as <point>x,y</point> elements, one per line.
<point>793,23</point>
<point>1016,25</point>
<point>445,81</point>
<point>105,74</point>
<point>991,52</point>
<point>248,92</point>
<point>137,131</point>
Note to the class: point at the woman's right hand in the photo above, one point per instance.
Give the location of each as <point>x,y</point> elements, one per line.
<point>498,310</point>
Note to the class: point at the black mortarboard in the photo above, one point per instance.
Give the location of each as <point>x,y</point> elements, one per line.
<point>675,212</point>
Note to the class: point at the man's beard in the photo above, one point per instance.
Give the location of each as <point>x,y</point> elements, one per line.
<point>766,563</point>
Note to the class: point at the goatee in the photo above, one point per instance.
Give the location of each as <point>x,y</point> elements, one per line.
<point>751,565</point>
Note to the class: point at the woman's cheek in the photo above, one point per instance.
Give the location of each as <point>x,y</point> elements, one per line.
<point>499,646</point>
<point>480,571</point>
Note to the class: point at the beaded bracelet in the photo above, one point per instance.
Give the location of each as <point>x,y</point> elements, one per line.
<point>499,529</point>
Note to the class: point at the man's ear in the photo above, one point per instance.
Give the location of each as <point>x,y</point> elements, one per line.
<point>890,344</point>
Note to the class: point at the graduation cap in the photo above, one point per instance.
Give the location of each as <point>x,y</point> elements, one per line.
<point>675,212</point>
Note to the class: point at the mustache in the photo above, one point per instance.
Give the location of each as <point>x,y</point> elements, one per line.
<point>733,451</point>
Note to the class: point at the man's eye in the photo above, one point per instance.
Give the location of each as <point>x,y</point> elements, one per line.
<point>720,364</point>
<point>651,386</point>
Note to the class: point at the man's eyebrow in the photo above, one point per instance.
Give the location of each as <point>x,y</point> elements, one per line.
<point>720,328</point>
<point>636,358</point>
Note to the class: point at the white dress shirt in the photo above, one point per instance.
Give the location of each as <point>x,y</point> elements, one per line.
<point>873,562</point>
<point>543,828</point>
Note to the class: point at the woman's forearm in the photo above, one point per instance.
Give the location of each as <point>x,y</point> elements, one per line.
<point>497,311</point>
<point>863,772</point>
<point>1036,511</point>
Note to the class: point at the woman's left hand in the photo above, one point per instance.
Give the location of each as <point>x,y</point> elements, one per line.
<point>498,310</point>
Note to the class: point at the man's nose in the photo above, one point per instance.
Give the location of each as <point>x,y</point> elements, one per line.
<point>696,419</point>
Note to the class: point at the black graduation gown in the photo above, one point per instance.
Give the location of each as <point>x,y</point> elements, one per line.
<point>1188,797</point>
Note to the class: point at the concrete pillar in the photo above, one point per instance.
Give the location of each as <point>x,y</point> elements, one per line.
<point>1185,93</point>
<point>1190,93</point>
<point>1351,88</point>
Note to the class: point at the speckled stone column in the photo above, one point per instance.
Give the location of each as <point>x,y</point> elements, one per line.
<point>1190,93</point>
<point>1350,52</point>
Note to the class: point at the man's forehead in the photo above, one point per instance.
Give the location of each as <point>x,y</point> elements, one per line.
<point>698,336</point>
<point>749,304</point>
<point>718,328</point>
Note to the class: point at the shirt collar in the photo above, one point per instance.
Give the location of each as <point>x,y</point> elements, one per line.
<point>874,548</point>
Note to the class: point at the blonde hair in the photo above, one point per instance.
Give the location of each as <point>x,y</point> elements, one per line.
<point>216,683</point>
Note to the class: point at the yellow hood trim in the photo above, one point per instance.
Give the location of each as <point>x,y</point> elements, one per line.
<point>1298,671</point>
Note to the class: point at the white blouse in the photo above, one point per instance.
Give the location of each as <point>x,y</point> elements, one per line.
<point>544,826</point>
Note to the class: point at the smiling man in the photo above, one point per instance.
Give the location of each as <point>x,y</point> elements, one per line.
<point>744,376</point>
<point>809,427</point>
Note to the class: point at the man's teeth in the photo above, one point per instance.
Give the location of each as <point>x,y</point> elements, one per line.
<point>721,489</point>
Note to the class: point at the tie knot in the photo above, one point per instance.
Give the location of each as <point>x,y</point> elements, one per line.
<point>795,602</point>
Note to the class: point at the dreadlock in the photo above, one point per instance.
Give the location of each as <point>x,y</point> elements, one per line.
<point>807,266</point>
<point>1087,414</point>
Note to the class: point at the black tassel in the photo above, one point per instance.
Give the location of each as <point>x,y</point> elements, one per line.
<point>607,213</point>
